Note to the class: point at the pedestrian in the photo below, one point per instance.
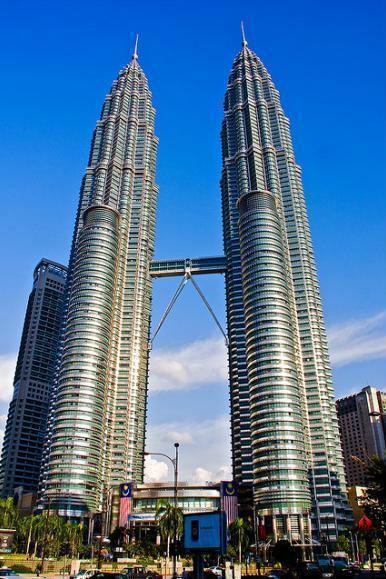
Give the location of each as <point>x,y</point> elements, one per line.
<point>185,573</point>
<point>37,570</point>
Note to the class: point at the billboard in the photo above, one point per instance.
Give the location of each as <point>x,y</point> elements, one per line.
<point>205,532</point>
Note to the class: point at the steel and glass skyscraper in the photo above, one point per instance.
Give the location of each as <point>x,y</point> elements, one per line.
<point>32,386</point>
<point>97,424</point>
<point>285,438</point>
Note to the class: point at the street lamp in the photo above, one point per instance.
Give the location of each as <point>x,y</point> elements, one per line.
<point>174,462</point>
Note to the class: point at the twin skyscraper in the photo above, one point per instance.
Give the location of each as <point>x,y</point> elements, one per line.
<point>285,439</point>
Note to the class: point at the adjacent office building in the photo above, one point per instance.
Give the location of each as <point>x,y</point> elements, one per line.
<point>362,430</point>
<point>27,415</point>
<point>285,438</point>
<point>97,421</point>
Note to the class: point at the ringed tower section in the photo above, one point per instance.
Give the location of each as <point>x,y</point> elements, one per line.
<point>97,430</point>
<point>285,441</point>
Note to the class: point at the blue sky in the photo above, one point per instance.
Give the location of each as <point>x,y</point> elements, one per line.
<point>326,58</point>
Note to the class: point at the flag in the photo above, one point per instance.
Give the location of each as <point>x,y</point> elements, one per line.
<point>261,532</point>
<point>260,527</point>
<point>125,494</point>
<point>365,524</point>
<point>229,500</point>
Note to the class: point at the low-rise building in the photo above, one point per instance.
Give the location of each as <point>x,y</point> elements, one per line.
<point>191,498</point>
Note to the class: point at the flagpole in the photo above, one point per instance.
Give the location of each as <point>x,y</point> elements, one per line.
<point>175,529</point>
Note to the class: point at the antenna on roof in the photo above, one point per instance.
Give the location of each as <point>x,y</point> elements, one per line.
<point>245,43</point>
<point>135,53</point>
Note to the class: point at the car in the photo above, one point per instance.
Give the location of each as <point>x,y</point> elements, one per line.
<point>105,575</point>
<point>219,571</point>
<point>140,573</point>
<point>85,573</point>
<point>275,574</point>
<point>326,567</point>
<point>341,569</point>
<point>309,570</point>
<point>7,572</point>
<point>208,574</point>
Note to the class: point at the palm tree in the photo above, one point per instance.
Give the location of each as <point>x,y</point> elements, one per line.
<point>23,536</point>
<point>9,514</point>
<point>38,531</point>
<point>239,531</point>
<point>29,522</point>
<point>167,516</point>
<point>49,534</point>
<point>73,535</point>
<point>56,535</point>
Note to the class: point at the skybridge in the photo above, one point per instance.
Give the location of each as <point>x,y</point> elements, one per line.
<point>187,269</point>
<point>192,265</point>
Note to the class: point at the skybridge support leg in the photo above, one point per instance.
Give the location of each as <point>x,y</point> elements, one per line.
<point>188,276</point>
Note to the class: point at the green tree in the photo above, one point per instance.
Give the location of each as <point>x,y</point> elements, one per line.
<point>38,530</point>
<point>73,535</point>
<point>50,535</point>
<point>167,516</point>
<point>343,544</point>
<point>29,525</point>
<point>361,547</point>
<point>23,535</point>
<point>375,498</point>
<point>118,538</point>
<point>45,534</point>
<point>239,531</point>
<point>9,514</point>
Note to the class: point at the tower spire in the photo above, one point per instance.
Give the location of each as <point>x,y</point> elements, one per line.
<point>135,53</point>
<point>244,43</point>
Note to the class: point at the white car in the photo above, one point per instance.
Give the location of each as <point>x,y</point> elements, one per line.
<point>85,574</point>
<point>216,571</point>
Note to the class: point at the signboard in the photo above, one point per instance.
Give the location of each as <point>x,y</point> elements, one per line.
<point>6,539</point>
<point>142,516</point>
<point>205,532</point>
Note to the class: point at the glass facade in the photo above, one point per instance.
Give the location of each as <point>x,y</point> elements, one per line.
<point>97,420</point>
<point>191,496</point>
<point>285,440</point>
<point>32,387</point>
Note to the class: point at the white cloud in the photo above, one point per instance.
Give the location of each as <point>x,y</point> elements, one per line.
<point>206,454</point>
<point>155,470</point>
<point>7,371</point>
<point>358,340</point>
<point>189,366</point>
<point>201,475</point>
<point>224,473</point>
<point>181,436</point>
